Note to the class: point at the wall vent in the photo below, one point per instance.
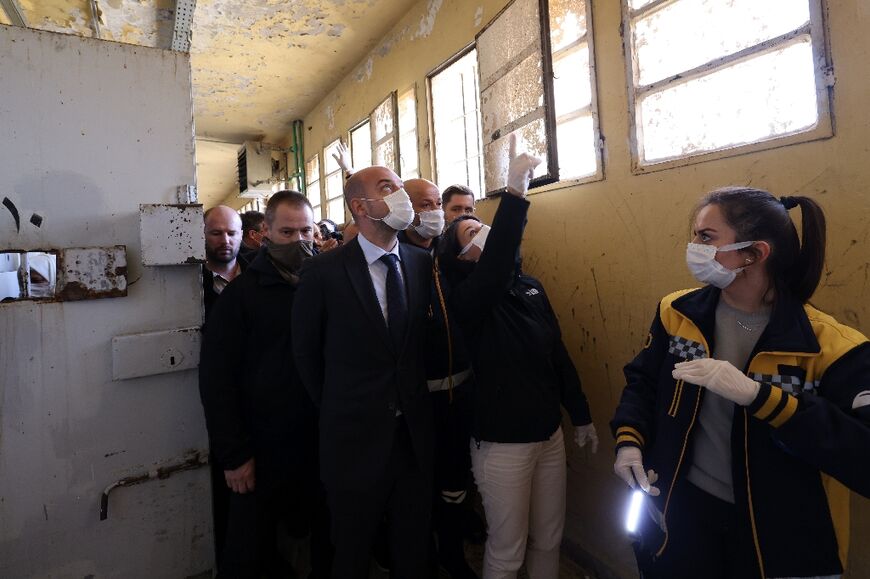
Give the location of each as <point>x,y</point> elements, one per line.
<point>255,170</point>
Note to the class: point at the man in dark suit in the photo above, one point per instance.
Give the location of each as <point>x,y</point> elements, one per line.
<point>358,321</point>
<point>223,236</point>
<point>261,422</point>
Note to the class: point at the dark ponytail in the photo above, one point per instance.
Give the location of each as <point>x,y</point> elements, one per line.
<point>811,262</point>
<point>795,266</point>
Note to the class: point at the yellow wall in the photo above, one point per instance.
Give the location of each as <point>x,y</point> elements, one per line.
<point>607,251</point>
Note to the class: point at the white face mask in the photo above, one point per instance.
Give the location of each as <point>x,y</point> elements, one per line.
<point>479,239</point>
<point>401,212</point>
<point>701,260</point>
<point>431,223</point>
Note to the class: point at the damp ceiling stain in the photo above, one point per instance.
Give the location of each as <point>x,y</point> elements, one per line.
<point>257,64</point>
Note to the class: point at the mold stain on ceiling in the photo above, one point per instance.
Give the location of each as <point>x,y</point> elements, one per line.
<point>257,64</point>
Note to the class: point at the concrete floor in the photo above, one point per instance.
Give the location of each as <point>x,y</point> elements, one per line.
<point>474,555</point>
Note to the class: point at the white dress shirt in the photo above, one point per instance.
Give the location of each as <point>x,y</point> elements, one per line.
<point>220,282</point>
<point>378,270</point>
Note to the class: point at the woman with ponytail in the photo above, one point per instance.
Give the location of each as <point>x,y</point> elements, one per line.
<point>746,416</point>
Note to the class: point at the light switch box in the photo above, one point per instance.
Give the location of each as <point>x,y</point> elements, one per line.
<point>150,353</point>
<point>171,234</point>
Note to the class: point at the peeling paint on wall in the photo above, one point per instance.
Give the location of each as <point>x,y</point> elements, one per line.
<point>427,22</point>
<point>93,272</point>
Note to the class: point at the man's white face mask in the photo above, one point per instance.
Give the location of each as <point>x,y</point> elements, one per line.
<point>431,223</point>
<point>401,212</point>
<point>701,260</point>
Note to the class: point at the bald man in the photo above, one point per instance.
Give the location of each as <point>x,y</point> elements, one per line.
<point>450,381</point>
<point>428,217</point>
<point>223,236</point>
<point>359,319</point>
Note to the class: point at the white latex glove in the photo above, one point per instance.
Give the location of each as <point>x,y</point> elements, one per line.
<point>584,434</point>
<point>720,377</point>
<point>342,157</point>
<point>629,467</point>
<point>521,168</point>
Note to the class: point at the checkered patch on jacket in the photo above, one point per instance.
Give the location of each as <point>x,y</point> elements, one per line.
<point>686,349</point>
<point>791,384</point>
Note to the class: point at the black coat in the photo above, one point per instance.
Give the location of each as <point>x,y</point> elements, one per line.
<point>255,405</point>
<point>522,370</point>
<point>209,296</point>
<point>350,367</point>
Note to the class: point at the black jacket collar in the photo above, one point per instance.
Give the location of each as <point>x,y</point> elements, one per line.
<point>788,330</point>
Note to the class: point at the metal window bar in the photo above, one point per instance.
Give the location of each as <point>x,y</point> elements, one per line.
<point>725,61</point>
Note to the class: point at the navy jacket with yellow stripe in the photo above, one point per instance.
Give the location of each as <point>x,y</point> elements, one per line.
<point>796,450</point>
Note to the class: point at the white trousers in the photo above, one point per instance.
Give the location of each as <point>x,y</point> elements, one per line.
<point>523,491</point>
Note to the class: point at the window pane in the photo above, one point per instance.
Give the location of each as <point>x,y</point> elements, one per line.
<point>408,134</point>
<point>329,162</point>
<point>770,95</point>
<point>312,170</point>
<point>567,22</point>
<point>361,146</point>
<point>335,210</point>
<point>383,119</point>
<point>334,185</point>
<point>520,24</point>
<point>318,214</point>
<point>531,138</point>
<point>572,85</point>
<point>516,94</point>
<point>456,123</point>
<point>313,193</point>
<point>577,148</point>
<point>385,154</point>
<point>689,33</point>
<point>408,153</point>
<point>635,4</point>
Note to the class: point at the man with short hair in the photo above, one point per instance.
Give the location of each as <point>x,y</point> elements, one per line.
<point>253,232</point>
<point>260,419</point>
<point>375,410</point>
<point>223,235</point>
<point>457,200</point>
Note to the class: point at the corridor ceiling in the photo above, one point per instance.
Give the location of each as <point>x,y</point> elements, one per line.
<point>257,64</point>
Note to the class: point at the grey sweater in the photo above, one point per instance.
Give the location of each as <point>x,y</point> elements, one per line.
<point>735,336</point>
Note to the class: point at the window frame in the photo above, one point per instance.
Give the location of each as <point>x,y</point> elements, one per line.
<point>326,200</point>
<point>356,127</point>
<point>600,172</point>
<point>548,107</point>
<point>416,130</point>
<point>430,103</point>
<point>318,180</point>
<point>824,80</point>
<point>394,134</point>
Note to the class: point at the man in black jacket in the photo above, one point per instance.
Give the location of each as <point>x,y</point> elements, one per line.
<point>223,237</point>
<point>261,422</point>
<point>358,322</point>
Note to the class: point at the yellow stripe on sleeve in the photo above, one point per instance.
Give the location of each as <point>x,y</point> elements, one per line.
<point>770,405</point>
<point>787,412</point>
<point>629,430</point>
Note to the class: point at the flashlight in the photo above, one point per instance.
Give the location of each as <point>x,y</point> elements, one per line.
<point>633,514</point>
